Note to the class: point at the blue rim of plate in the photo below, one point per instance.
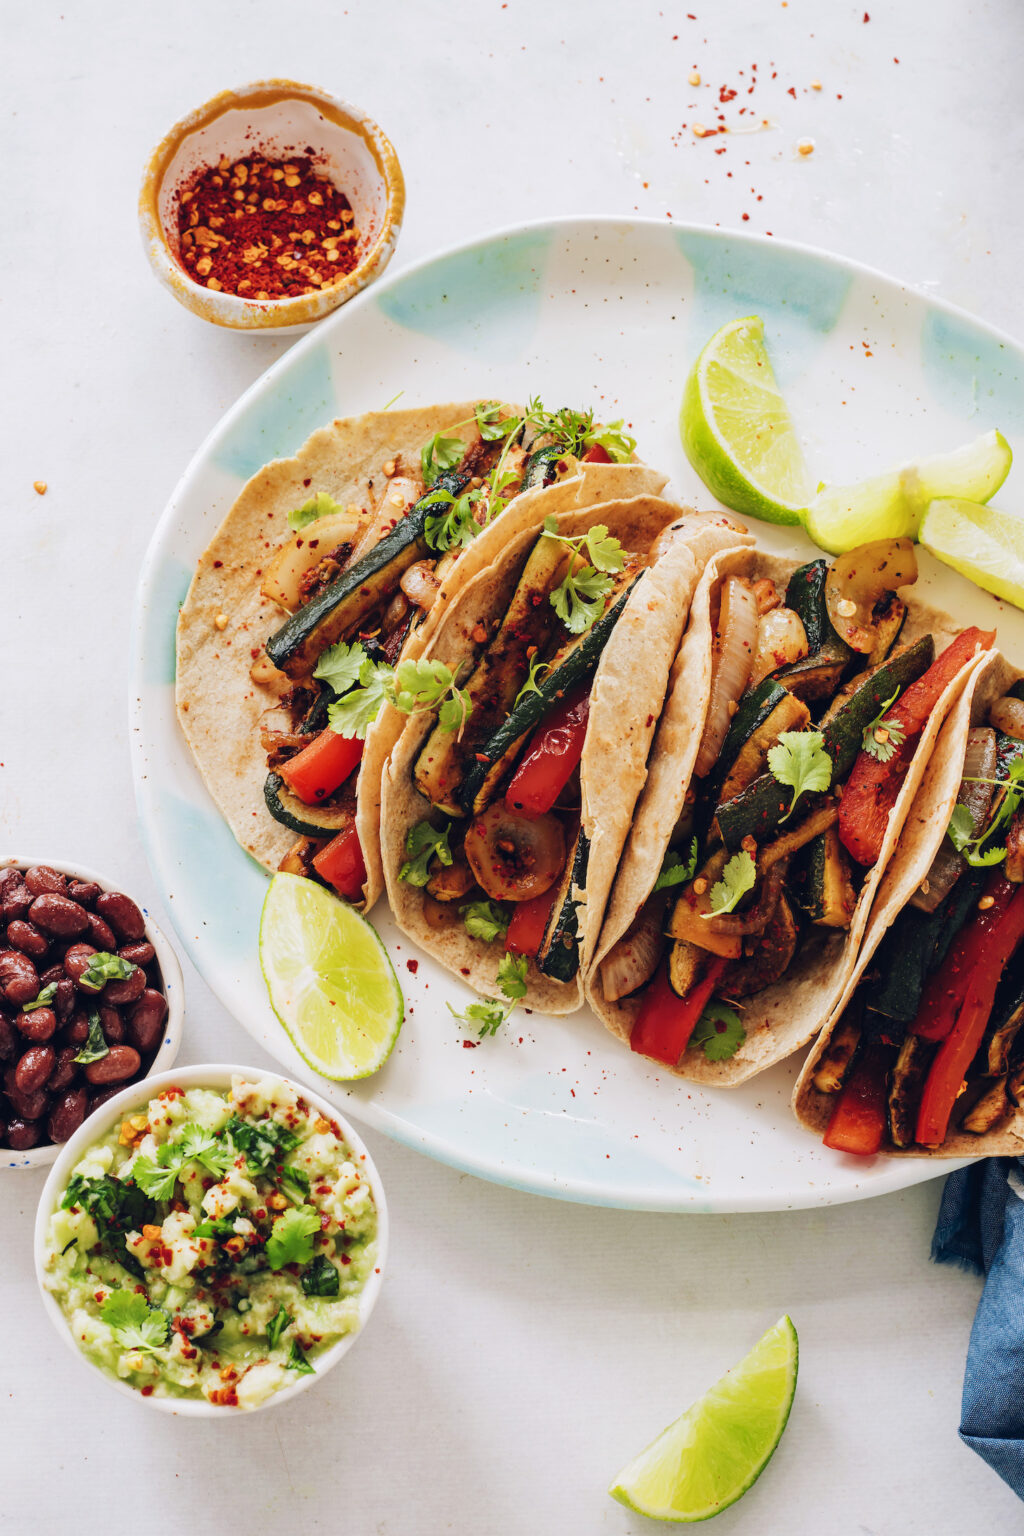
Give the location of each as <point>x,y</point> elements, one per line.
<point>897,1174</point>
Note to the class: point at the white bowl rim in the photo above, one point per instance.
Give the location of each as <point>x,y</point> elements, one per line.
<point>174,991</point>
<point>206,1075</point>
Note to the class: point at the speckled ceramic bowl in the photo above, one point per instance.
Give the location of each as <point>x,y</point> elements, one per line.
<point>135,1097</point>
<point>278,118</point>
<point>173,988</point>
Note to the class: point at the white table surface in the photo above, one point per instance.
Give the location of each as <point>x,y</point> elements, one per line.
<point>522,1349</point>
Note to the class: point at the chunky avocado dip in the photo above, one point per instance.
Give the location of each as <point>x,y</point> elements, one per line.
<point>214,1244</point>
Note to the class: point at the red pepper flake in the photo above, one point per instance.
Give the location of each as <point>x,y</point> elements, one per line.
<point>470,1045</point>
<point>265,229</point>
<point>146,1391</point>
<point>866,16</point>
<point>412,966</point>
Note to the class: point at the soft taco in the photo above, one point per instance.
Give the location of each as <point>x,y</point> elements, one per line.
<point>779,781</point>
<point>367,533</point>
<point>502,825</point>
<point>924,1054</point>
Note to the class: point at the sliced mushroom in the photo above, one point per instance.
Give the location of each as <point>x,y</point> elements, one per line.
<point>859,581</point>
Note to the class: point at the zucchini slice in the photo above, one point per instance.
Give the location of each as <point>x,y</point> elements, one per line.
<point>831,897</point>
<point>1007,1018</point>
<point>888,628</point>
<point>335,612</point>
<point>853,710</point>
<point>570,666</point>
<point>559,953</point>
<point>820,672</point>
<point>495,681</point>
<point>542,468</point>
<point>835,1060</point>
<point>688,920</point>
<point>754,708</point>
<point>987,1111</point>
<point>307,820</point>
<point>789,714</point>
<point>908,1077</point>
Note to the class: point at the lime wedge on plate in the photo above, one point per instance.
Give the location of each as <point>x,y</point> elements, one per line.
<point>330,980</point>
<point>982,543</point>
<point>890,506</point>
<point>704,1461</point>
<point>736,429</point>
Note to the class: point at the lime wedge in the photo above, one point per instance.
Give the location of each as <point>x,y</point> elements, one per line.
<point>704,1461</point>
<point>982,543</point>
<point>890,506</point>
<point>330,980</point>
<point>736,429</point>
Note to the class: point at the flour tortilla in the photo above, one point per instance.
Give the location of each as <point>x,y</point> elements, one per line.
<point>626,698</point>
<point>925,827</point>
<point>783,1017</point>
<point>219,706</point>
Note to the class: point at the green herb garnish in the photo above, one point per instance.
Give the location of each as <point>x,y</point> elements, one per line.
<point>133,1322</point>
<point>486,920</point>
<point>423,843</point>
<point>800,762</point>
<point>891,733</point>
<point>718,1031</point>
<point>291,1237</point>
<point>319,505</point>
<point>675,870</point>
<point>321,1277</point>
<point>95,1047</point>
<point>738,877</point>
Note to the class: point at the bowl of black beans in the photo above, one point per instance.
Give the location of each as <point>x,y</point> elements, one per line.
<point>91,1000</point>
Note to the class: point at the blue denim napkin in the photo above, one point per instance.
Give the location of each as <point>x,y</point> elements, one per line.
<point>981,1227</point>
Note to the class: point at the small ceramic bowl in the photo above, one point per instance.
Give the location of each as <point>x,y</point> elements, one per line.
<point>134,1098</point>
<point>278,118</point>
<point>173,986</point>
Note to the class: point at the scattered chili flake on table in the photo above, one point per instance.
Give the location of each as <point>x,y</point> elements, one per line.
<point>265,229</point>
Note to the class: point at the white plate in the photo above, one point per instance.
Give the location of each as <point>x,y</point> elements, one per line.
<point>592,312</point>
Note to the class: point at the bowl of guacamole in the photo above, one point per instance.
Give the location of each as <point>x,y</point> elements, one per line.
<point>212,1240</point>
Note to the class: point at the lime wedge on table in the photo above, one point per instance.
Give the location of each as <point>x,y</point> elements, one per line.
<point>736,429</point>
<point>330,980</point>
<point>704,1461</point>
<point>890,506</point>
<point>982,543</point>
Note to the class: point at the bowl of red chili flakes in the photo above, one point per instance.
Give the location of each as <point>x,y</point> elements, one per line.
<point>270,205</point>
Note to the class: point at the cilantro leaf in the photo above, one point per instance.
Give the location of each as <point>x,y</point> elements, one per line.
<point>511,976</point>
<point>219,1226</point>
<point>196,1144</point>
<point>95,1047</point>
<point>156,1179</point>
<point>277,1325</point>
<point>484,920</point>
<point>318,505</point>
<point>531,686</point>
<point>419,685</point>
<point>104,967</point>
<point>719,1031</point>
<point>880,741</point>
<point>423,843</point>
<point>801,763</point>
<point>43,999</point>
<point>261,1145</point>
<point>617,443</point>
<point>291,1237</point>
<point>455,526</point>
<point>492,430</point>
<point>961,834</point>
<point>738,878</point>
<point>340,665</point>
<point>356,712</point>
<point>439,454</point>
<point>112,1203</point>
<point>605,553</point>
<point>579,599</point>
<point>321,1277</point>
<point>133,1322</point>
<point>675,870</point>
<point>489,1016</point>
<point>297,1361</point>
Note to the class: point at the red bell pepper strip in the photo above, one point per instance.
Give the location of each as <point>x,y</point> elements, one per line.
<point>958,1049</point>
<point>322,767</point>
<point>858,1121</point>
<point>340,863</point>
<point>946,988</point>
<point>554,751</point>
<point>873,787</point>
<point>529,924</point>
<point>665,1021</point>
<point>595,454</point>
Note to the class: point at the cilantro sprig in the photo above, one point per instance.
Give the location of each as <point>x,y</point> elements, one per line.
<point>738,877</point>
<point>194,1145</point>
<point>880,741</point>
<point>800,762</point>
<point>133,1322</point>
<point>491,1015</point>
<point>532,685</point>
<point>675,870</point>
<point>718,1031</point>
<point>961,826</point>
<point>277,1325</point>
<point>318,505</point>
<point>575,431</point>
<point>579,598</point>
<point>291,1237</point>
<point>422,844</point>
<point>413,687</point>
<point>439,454</point>
<point>486,920</point>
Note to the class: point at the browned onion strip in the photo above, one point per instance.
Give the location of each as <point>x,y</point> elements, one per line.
<point>757,917</point>
<point>781,640</point>
<point>948,865</point>
<point>420,584</point>
<point>1008,715</point>
<point>632,962</point>
<point>731,659</point>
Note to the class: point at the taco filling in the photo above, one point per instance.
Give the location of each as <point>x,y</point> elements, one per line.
<point>931,1043</point>
<point>815,712</point>
<point>358,585</point>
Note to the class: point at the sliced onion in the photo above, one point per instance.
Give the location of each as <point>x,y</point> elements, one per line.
<point>731,659</point>
<point>632,962</point>
<point>1014,866</point>
<point>948,864</point>
<point>282,580</point>
<point>400,492</point>
<point>420,584</point>
<point>858,579</point>
<point>781,639</point>
<point>1008,715</point>
<point>767,594</point>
